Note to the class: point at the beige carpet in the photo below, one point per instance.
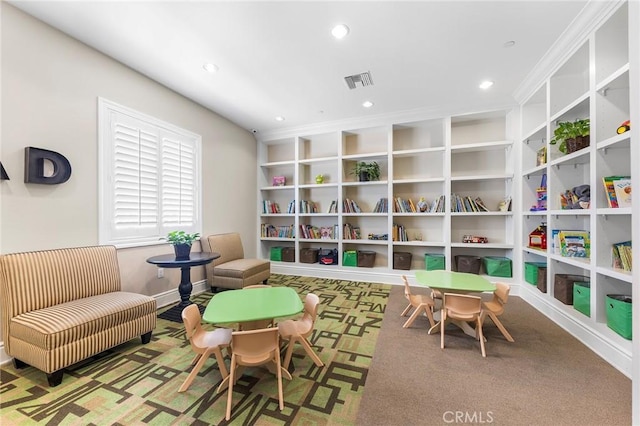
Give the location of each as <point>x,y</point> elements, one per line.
<point>546,377</point>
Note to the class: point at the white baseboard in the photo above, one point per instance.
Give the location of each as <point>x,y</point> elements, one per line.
<point>162,299</point>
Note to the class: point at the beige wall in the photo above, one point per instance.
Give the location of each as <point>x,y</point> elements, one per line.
<point>50,86</point>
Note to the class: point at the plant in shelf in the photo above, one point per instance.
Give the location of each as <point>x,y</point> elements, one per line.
<point>571,136</point>
<point>366,171</point>
<point>182,242</point>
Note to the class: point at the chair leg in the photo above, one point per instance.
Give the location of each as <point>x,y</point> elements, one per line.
<point>287,357</point>
<point>194,372</point>
<point>221,365</point>
<point>311,353</point>
<point>406,310</point>
<point>481,337</point>
<point>230,389</point>
<point>429,310</point>
<point>498,324</point>
<point>279,376</point>
<point>442,327</point>
<point>413,317</point>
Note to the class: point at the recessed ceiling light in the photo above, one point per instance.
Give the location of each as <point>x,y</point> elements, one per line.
<point>367,104</point>
<point>210,67</point>
<point>486,84</point>
<point>279,118</point>
<point>340,31</point>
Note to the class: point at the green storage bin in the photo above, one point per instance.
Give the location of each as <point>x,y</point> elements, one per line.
<point>582,297</point>
<point>496,266</point>
<point>275,254</point>
<point>531,271</point>
<point>350,258</point>
<point>619,314</point>
<point>434,262</point>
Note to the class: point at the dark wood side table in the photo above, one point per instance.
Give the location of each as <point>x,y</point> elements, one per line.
<point>185,286</point>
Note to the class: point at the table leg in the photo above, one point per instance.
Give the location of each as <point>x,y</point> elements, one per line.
<point>463,325</point>
<point>185,286</point>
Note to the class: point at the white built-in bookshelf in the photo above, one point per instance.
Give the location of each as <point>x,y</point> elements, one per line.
<point>470,155</point>
<point>592,82</point>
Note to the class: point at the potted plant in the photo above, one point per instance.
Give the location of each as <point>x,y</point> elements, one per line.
<point>182,242</point>
<point>571,135</point>
<point>366,171</point>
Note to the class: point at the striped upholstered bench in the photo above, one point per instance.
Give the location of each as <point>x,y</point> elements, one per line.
<point>63,306</point>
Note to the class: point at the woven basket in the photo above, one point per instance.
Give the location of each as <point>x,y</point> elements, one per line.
<point>577,144</point>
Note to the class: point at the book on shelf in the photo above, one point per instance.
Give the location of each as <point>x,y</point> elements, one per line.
<point>382,206</point>
<point>326,233</point>
<point>610,189</point>
<point>622,188</point>
<point>574,243</point>
<point>621,256</point>
<point>481,205</point>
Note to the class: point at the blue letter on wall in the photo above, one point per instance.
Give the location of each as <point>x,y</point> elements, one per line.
<point>34,166</point>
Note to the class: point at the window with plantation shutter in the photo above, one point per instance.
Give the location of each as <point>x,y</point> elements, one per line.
<point>149,177</point>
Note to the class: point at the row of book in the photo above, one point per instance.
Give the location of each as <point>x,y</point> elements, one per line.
<point>270,231</point>
<point>399,233</point>
<point>269,207</point>
<point>333,208</point>
<point>621,255</point>
<point>350,206</point>
<point>308,207</point>
<point>618,190</point>
<point>382,206</point>
<point>467,204</point>
<point>315,232</point>
<point>351,232</point>
<point>403,206</point>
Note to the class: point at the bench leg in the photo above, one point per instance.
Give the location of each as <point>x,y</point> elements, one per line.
<point>19,365</point>
<point>55,378</point>
<point>146,338</point>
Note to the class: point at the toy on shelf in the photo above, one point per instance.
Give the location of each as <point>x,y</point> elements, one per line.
<point>624,127</point>
<point>578,197</point>
<point>474,239</point>
<point>541,196</point>
<point>538,237</point>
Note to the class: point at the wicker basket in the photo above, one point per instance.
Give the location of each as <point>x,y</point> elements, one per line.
<point>577,144</point>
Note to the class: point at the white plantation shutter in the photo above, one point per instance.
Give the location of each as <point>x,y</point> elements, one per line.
<point>178,183</point>
<point>149,178</point>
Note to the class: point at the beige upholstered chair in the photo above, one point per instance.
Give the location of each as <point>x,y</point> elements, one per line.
<point>204,343</point>
<point>462,307</point>
<point>231,269</point>
<point>422,304</point>
<point>254,325</point>
<point>495,307</point>
<point>253,348</point>
<point>299,330</point>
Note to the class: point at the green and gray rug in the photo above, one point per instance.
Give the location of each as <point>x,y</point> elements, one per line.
<point>138,384</point>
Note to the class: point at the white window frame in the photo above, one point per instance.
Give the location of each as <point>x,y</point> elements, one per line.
<point>161,138</point>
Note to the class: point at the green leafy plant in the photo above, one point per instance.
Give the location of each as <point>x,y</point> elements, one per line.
<point>569,130</point>
<point>181,237</point>
<point>371,170</point>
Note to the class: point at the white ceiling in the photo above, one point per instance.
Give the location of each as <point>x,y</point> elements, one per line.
<point>279,58</point>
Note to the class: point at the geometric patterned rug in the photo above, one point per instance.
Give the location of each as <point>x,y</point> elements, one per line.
<point>135,384</point>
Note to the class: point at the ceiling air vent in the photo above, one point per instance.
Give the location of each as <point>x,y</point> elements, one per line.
<point>363,78</point>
